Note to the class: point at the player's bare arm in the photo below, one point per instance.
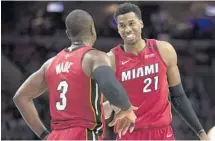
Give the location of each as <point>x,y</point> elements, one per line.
<point>32,88</point>
<point>179,99</point>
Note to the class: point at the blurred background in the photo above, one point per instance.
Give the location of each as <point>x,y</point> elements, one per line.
<point>32,32</point>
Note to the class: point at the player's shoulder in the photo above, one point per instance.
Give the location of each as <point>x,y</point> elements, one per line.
<point>94,56</point>
<point>166,51</point>
<point>165,46</point>
<point>94,53</point>
<point>48,63</point>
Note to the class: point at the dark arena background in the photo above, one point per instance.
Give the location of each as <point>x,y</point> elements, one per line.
<point>34,31</point>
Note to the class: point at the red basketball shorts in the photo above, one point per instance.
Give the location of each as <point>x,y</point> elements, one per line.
<point>76,133</point>
<point>162,133</point>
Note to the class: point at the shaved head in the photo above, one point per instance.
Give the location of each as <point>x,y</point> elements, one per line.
<point>79,23</point>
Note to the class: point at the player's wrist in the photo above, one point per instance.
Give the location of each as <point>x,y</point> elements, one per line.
<point>201,131</point>
<point>130,108</point>
<point>202,135</point>
<point>44,134</point>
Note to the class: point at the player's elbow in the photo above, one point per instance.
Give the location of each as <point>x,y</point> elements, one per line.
<point>16,98</point>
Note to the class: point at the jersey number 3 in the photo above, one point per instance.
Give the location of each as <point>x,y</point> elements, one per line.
<point>62,88</point>
<point>148,82</point>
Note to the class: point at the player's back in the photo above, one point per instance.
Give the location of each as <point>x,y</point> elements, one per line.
<point>74,97</point>
<point>144,78</point>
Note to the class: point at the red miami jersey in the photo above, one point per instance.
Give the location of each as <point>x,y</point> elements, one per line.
<point>145,81</point>
<point>75,100</point>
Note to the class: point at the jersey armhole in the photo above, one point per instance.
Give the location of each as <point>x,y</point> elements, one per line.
<point>51,60</point>
<point>154,45</point>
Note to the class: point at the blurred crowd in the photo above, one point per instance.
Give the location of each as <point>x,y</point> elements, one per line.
<point>26,47</point>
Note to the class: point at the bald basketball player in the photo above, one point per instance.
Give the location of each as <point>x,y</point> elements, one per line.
<point>147,68</point>
<point>75,78</point>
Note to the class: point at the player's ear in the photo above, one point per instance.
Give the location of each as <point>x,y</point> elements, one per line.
<point>142,24</point>
<point>67,33</point>
<point>93,30</point>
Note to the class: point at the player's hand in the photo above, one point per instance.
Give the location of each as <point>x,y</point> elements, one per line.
<point>124,120</point>
<point>203,136</point>
<point>129,114</point>
<point>122,126</point>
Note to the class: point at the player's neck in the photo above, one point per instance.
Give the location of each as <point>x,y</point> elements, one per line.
<point>77,44</point>
<point>135,48</point>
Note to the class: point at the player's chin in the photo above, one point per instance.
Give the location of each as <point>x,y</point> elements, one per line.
<point>131,42</point>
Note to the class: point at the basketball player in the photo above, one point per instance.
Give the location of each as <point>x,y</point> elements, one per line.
<point>146,67</point>
<point>74,78</point>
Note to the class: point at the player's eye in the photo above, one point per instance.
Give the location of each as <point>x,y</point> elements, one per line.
<point>131,24</point>
<point>122,26</point>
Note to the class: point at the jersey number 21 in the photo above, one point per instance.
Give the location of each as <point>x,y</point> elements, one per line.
<point>150,84</point>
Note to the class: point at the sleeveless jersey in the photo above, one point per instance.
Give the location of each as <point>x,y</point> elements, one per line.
<point>75,100</point>
<point>145,81</point>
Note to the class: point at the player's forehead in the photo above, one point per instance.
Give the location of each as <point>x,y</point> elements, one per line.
<point>127,17</point>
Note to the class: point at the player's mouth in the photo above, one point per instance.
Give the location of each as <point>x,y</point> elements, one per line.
<point>130,37</point>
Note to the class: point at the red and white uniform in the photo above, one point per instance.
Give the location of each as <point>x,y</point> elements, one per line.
<point>145,81</point>
<point>74,98</point>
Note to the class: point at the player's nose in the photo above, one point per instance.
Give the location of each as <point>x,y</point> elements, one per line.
<point>128,30</point>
